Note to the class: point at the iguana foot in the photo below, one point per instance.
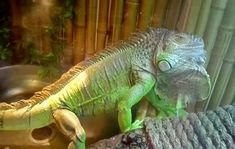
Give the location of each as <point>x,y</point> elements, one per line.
<point>77,144</point>
<point>69,124</point>
<point>136,125</point>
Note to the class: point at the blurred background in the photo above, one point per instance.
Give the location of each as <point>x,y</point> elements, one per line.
<point>57,34</point>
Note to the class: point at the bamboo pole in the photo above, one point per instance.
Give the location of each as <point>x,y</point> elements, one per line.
<point>220,48</point>
<point>214,20</point>
<point>229,94</point>
<point>172,14</point>
<point>146,10</point>
<point>203,17</point>
<point>91,28</point>
<point>184,14</point>
<point>193,16</point>
<point>79,31</point>
<point>225,74</point>
<point>116,20</point>
<point>159,13</point>
<point>130,17</point>
<point>15,18</point>
<point>68,53</point>
<point>102,24</point>
<point>16,31</point>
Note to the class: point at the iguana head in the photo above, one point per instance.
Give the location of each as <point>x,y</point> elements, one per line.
<point>180,68</point>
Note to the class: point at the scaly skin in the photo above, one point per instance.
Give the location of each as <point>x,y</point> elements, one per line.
<point>154,63</point>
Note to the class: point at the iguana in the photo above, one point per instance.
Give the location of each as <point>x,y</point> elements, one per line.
<point>157,62</point>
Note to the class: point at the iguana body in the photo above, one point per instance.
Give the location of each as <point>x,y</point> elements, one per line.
<point>116,79</point>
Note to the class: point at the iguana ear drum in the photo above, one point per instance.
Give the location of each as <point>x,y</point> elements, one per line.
<point>164,65</point>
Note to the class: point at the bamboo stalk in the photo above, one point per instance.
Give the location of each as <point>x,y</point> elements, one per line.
<point>214,20</point>
<point>203,17</point>
<point>184,14</point>
<point>172,14</point>
<point>193,16</point>
<point>130,17</point>
<point>225,74</point>
<point>220,49</point>
<point>91,28</point>
<point>146,10</point>
<point>16,31</point>
<point>15,16</point>
<point>116,20</point>
<point>159,13</point>
<point>69,32</point>
<point>102,24</point>
<point>229,94</point>
<point>68,53</point>
<point>79,31</point>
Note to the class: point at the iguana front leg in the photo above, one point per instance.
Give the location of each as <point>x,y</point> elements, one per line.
<point>164,108</point>
<point>69,124</point>
<point>141,87</point>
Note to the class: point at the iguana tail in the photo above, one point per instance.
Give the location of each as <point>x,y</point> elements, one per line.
<point>25,114</point>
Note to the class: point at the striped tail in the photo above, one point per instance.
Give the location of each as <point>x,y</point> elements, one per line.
<point>25,114</point>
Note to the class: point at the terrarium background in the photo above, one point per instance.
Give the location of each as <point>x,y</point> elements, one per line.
<point>59,34</point>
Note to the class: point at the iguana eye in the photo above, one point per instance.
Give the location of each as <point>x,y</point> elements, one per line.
<point>164,65</point>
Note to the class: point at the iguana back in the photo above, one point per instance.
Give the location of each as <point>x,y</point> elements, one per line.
<point>91,87</point>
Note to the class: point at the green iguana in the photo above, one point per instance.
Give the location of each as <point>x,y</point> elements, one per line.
<point>154,63</point>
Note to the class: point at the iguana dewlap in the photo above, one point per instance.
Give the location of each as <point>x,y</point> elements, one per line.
<point>154,63</point>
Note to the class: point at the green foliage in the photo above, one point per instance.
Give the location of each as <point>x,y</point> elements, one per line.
<point>5,53</point>
<point>50,61</point>
<point>5,46</point>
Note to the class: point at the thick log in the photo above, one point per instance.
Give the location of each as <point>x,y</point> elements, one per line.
<point>211,129</point>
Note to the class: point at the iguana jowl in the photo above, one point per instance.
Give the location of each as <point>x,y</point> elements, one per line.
<point>156,62</point>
